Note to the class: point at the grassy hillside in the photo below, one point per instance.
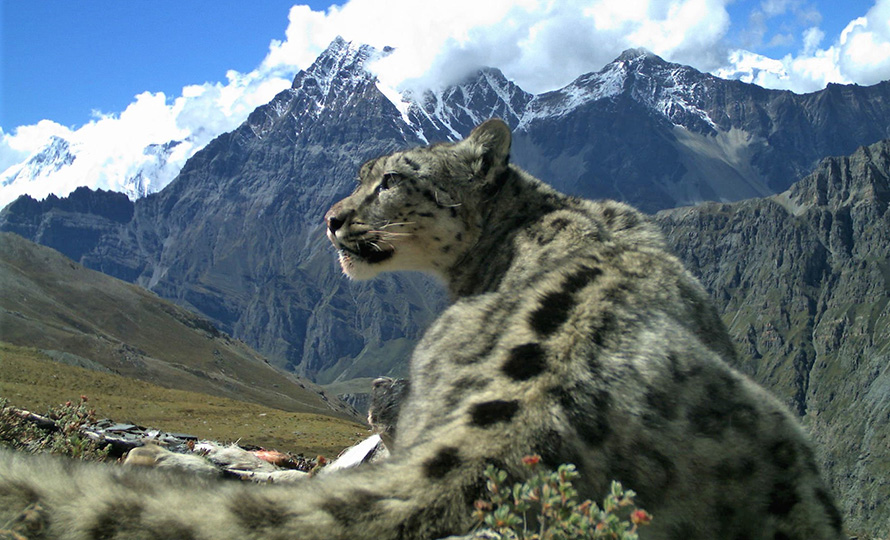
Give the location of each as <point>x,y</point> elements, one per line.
<point>54,304</point>
<point>32,380</point>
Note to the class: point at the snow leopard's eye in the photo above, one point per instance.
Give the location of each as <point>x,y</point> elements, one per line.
<point>389,180</point>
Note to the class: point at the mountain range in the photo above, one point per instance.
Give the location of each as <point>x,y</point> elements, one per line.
<point>796,265</point>
<point>237,235</point>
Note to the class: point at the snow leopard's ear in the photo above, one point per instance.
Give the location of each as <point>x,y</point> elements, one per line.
<point>489,147</point>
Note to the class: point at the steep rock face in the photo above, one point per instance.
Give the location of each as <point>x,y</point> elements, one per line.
<point>803,281</point>
<point>239,235</point>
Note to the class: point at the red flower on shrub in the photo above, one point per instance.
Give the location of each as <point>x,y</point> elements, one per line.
<point>640,517</point>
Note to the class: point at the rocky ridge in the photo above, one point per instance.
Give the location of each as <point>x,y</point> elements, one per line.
<point>803,282</point>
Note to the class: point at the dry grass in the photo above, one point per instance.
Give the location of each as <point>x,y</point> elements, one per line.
<point>29,379</point>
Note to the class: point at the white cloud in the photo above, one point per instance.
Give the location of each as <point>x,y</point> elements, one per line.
<point>864,46</point>
<point>28,139</point>
<point>812,37</point>
<point>860,54</point>
<point>750,67</point>
<point>110,150</point>
<point>773,8</point>
<point>540,44</point>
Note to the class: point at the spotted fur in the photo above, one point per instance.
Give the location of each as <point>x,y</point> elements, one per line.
<point>573,334</point>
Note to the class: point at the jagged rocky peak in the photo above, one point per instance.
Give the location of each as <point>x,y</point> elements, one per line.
<point>451,112</point>
<point>503,98</point>
<point>844,181</point>
<point>341,60</point>
<point>647,76</point>
<point>336,76</point>
<point>83,200</point>
<point>670,90</point>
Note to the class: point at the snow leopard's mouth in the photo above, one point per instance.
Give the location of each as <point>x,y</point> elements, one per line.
<point>369,252</point>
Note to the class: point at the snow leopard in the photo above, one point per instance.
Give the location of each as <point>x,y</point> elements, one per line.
<point>385,403</point>
<point>572,334</point>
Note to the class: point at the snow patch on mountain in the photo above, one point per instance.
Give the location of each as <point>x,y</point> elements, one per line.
<point>669,89</point>
<point>451,112</point>
<point>675,94</point>
<point>396,98</point>
<point>585,89</point>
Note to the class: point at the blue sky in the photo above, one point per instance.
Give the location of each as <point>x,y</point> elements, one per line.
<point>831,15</point>
<point>62,60</point>
<point>114,77</point>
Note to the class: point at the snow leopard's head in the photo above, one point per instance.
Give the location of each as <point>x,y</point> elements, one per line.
<point>420,209</point>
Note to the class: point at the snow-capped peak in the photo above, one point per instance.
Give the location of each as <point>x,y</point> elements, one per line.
<point>338,73</point>
<point>451,112</point>
<point>670,89</point>
<point>61,165</point>
<point>637,54</point>
<point>55,155</point>
<point>341,57</point>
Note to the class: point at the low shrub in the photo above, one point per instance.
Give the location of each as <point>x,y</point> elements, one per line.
<point>62,435</point>
<point>546,507</point>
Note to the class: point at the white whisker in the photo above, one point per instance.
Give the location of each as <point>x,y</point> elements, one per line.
<point>401,223</point>
<point>391,234</point>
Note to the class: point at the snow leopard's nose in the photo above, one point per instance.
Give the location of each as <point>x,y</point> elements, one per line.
<point>334,223</point>
<point>334,219</point>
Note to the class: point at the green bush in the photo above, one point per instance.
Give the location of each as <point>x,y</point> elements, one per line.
<point>65,439</point>
<point>548,503</point>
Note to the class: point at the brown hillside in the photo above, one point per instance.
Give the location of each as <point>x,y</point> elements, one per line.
<point>53,304</point>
